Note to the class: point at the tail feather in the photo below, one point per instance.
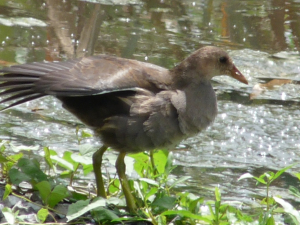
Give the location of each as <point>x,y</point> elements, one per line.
<point>17,85</point>
<point>21,101</point>
<point>13,84</point>
<point>17,78</point>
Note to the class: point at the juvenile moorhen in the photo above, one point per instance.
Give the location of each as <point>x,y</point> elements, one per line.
<point>132,106</point>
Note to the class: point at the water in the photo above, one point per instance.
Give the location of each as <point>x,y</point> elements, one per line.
<point>253,136</point>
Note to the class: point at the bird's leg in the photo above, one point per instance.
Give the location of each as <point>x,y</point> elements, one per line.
<point>97,162</point>
<point>121,167</point>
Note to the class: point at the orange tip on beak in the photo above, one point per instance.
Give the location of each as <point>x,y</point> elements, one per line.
<point>236,74</point>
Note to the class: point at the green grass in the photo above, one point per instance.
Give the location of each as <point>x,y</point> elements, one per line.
<point>157,199</point>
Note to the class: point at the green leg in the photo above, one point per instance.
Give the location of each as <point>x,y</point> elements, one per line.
<point>97,162</point>
<point>121,167</point>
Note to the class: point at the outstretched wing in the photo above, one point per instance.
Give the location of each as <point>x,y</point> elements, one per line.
<point>80,77</point>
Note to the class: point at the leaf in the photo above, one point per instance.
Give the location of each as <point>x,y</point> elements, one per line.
<point>59,193</point>
<point>297,175</point>
<point>288,208</point>
<point>44,189</point>
<point>150,193</point>
<point>16,177</point>
<point>129,162</point>
<point>245,176</point>
<point>85,134</point>
<point>169,164</point>
<point>85,160</point>
<point>160,160</point>
<point>87,149</point>
<point>9,215</point>
<point>101,214</point>
<point>114,186</point>
<point>31,168</point>
<point>217,194</point>
<point>184,213</point>
<point>180,180</point>
<point>62,162</point>
<point>141,162</point>
<point>42,215</point>
<point>23,148</point>
<point>150,181</point>
<point>3,159</point>
<point>165,202</point>
<point>16,157</point>
<point>260,179</point>
<point>81,207</point>
<point>47,157</point>
<point>194,204</point>
<point>282,171</point>
<point>7,192</point>
<point>87,169</point>
<point>293,190</point>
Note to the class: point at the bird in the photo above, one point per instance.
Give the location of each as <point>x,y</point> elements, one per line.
<point>132,106</point>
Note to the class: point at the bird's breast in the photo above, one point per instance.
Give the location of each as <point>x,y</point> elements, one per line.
<point>197,110</point>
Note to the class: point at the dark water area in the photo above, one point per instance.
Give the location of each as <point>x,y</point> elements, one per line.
<point>257,128</point>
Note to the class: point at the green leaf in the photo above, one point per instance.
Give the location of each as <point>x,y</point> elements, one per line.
<point>101,214</point>
<point>282,171</point>
<point>169,164</point>
<point>44,189</point>
<point>59,193</point>
<point>42,215</point>
<point>162,220</point>
<point>152,191</point>
<point>184,213</point>
<point>15,157</point>
<point>31,168</point>
<point>16,177</point>
<point>87,169</point>
<point>141,162</point>
<point>217,194</point>
<point>194,204</point>
<point>180,180</point>
<point>62,162</point>
<point>288,208</point>
<point>149,181</point>
<point>3,159</point>
<point>77,209</point>
<point>8,191</point>
<point>293,190</point>
<point>114,186</point>
<point>297,175</point>
<point>165,202</point>
<point>87,149</point>
<point>85,160</point>
<point>85,134</point>
<point>47,157</point>
<point>81,207</point>
<point>52,152</point>
<point>260,179</point>
<point>160,160</point>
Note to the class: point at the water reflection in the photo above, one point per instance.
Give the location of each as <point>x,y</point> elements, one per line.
<point>151,28</point>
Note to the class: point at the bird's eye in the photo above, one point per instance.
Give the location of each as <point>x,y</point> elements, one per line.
<point>223,59</point>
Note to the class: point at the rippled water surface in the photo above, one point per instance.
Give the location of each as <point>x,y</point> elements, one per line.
<point>257,128</point>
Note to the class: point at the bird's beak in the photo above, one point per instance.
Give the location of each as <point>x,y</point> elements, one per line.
<point>236,74</point>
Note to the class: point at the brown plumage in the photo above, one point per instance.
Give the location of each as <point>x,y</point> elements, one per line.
<point>132,106</point>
